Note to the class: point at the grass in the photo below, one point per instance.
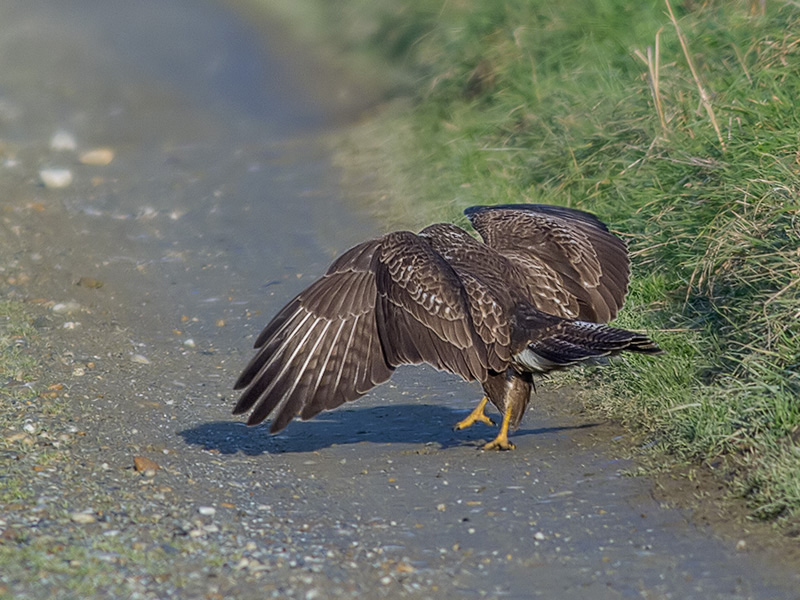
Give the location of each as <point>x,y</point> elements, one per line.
<point>678,125</point>
<point>16,365</point>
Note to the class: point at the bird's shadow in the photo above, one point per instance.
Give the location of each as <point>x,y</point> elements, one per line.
<point>399,423</point>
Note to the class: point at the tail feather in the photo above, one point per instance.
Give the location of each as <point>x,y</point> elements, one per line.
<point>552,343</point>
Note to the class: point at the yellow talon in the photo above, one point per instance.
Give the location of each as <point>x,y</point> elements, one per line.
<point>475,416</point>
<point>501,441</point>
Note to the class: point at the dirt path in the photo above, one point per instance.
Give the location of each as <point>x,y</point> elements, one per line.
<point>217,205</point>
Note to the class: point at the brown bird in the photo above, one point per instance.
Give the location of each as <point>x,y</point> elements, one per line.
<point>530,298</point>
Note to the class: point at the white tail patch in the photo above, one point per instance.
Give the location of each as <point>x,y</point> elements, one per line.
<point>532,362</point>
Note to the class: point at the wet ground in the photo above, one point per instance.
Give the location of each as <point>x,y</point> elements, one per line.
<point>210,203</point>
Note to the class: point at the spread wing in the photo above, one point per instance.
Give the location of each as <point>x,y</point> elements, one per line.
<point>573,266</point>
<point>386,302</point>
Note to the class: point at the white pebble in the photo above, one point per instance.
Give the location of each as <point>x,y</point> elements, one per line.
<point>66,307</point>
<point>63,140</point>
<point>140,359</point>
<point>56,178</point>
<point>207,510</point>
<point>539,536</point>
<point>83,517</point>
<point>189,343</point>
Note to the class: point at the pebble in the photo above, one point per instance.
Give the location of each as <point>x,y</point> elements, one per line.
<point>90,282</point>
<point>189,343</point>
<point>97,157</point>
<point>56,178</point>
<point>144,464</point>
<point>62,308</point>
<point>83,517</point>
<point>140,359</point>
<point>207,510</point>
<point>62,141</point>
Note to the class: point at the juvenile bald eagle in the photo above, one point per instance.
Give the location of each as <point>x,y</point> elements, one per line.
<point>530,298</point>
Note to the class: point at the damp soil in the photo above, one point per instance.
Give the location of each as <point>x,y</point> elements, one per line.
<point>148,277</point>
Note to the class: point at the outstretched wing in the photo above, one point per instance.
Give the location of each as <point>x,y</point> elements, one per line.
<point>386,302</point>
<point>322,349</point>
<point>574,267</point>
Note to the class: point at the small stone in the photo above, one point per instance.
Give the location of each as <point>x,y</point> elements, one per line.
<point>741,545</point>
<point>539,536</point>
<point>404,567</point>
<point>78,372</point>
<point>90,282</point>
<point>63,308</point>
<point>441,507</point>
<point>144,464</point>
<point>99,157</point>
<point>207,510</point>
<point>56,178</point>
<point>140,359</point>
<point>62,141</point>
<point>83,518</point>
<point>189,343</point>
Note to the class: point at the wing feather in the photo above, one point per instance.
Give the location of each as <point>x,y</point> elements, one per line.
<point>306,354</point>
<point>576,267</point>
<point>423,313</point>
<point>386,302</point>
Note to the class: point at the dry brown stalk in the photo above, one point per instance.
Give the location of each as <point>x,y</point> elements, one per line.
<point>654,67</point>
<point>704,98</point>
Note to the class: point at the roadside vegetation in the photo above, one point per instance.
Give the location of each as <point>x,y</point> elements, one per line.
<point>679,125</point>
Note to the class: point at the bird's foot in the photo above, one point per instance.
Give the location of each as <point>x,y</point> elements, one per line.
<point>499,443</point>
<point>476,416</point>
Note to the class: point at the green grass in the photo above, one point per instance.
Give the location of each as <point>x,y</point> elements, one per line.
<point>690,151</point>
<point>16,364</point>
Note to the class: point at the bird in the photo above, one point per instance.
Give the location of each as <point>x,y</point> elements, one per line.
<point>534,294</point>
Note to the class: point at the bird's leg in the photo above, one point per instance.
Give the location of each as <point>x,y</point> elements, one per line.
<point>475,416</point>
<point>501,441</point>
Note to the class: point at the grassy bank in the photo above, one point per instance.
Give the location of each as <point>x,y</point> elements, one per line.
<point>681,130</point>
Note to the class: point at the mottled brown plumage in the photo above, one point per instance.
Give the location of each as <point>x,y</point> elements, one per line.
<point>530,298</point>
